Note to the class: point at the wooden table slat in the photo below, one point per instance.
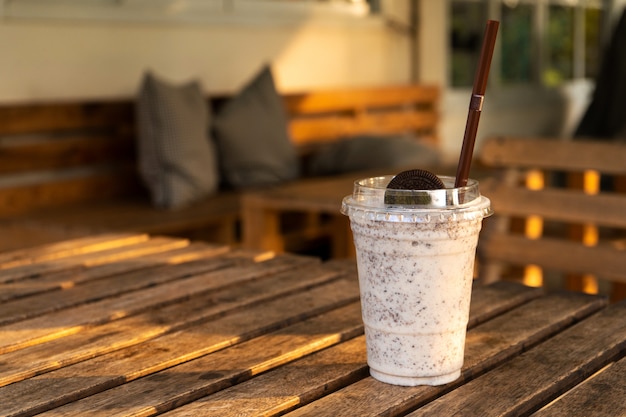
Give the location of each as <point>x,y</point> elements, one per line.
<point>287,387</point>
<point>114,335</point>
<point>58,250</point>
<point>488,346</point>
<point>604,393</point>
<point>312,377</point>
<point>37,305</point>
<point>162,255</point>
<point>115,368</point>
<point>197,378</point>
<point>78,261</point>
<point>512,390</point>
<point>490,301</point>
<point>62,323</point>
<point>140,325</point>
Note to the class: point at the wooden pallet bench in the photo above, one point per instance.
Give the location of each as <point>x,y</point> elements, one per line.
<point>560,213</point>
<point>68,169</point>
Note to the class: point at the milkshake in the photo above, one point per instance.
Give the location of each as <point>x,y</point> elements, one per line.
<point>415,256</point>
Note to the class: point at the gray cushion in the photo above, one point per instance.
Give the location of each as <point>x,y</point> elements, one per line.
<point>252,138</point>
<point>176,155</point>
<point>372,152</point>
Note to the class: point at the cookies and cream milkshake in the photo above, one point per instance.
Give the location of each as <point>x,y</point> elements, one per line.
<point>415,256</point>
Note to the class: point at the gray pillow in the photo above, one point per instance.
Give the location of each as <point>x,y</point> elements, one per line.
<point>371,152</point>
<point>251,133</point>
<point>176,155</point>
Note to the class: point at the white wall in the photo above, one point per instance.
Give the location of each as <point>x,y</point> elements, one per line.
<point>44,60</point>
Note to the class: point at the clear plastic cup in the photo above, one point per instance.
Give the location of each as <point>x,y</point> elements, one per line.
<point>415,266</point>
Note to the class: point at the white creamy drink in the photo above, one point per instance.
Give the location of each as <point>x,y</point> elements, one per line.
<point>415,267</point>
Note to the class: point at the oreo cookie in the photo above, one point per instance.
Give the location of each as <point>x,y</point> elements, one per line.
<point>416,180</point>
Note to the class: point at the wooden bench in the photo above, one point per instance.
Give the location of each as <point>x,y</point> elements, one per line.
<point>68,169</point>
<point>560,213</point>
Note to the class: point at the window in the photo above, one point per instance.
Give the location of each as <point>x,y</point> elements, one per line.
<point>542,42</point>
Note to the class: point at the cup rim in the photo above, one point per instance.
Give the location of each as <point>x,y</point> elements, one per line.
<point>370,199</point>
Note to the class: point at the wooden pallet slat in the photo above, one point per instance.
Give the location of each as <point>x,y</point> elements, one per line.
<point>373,97</point>
<point>45,117</point>
<point>68,152</point>
<point>329,128</point>
<point>97,186</point>
<point>565,197</point>
<point>552,154</point>
<point>557,254</point>
<point>606,209</point>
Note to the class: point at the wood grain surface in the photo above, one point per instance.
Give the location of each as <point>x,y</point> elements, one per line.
<point>140,325</point>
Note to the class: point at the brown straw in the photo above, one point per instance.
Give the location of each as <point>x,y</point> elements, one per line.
<point>476,103</point>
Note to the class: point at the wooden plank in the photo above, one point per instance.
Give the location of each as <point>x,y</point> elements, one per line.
<point>213,210</point>
<point>602,211</point>
<point>287,387</point>
<point>550,154</point>
<point>260,227</point>
<point>326,371</point>
<point>557,365</point>
<point>606,209</point>
<point>115,335</point>
<point>330,128</point>
<point>194,379</point>
<point>345,99</point>
<point>322,194</point>
<point>602,395</point>
<point>201,308</point>
<point>487,347</point>
<point>66,152</point>
<point>72,247</point>
<point>228,327</point>
<point>342,265</point>
<point>62,323</point>
<point>139,215</point>
<point>107,287</point>
<point>604,260</point>
<point>45,117</point>
<point>95,186</point>
<point>489,301</point>
<point>85,260</point>
<point>19,234</point>
<point>67,279</point>
<point>310,378</point>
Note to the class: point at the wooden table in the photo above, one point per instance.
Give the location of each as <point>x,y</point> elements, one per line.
<point>318,201</point>
<point>262,215</point>
<point>137,325</point>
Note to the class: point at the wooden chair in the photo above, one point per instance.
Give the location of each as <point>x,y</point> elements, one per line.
<point>560,213</point>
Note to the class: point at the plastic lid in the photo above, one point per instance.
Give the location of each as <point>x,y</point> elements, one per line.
<point>368,201</point>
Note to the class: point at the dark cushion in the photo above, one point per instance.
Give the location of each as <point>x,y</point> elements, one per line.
<point>251,133</point>
<point>176,155</point>
<point>372,152</point>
